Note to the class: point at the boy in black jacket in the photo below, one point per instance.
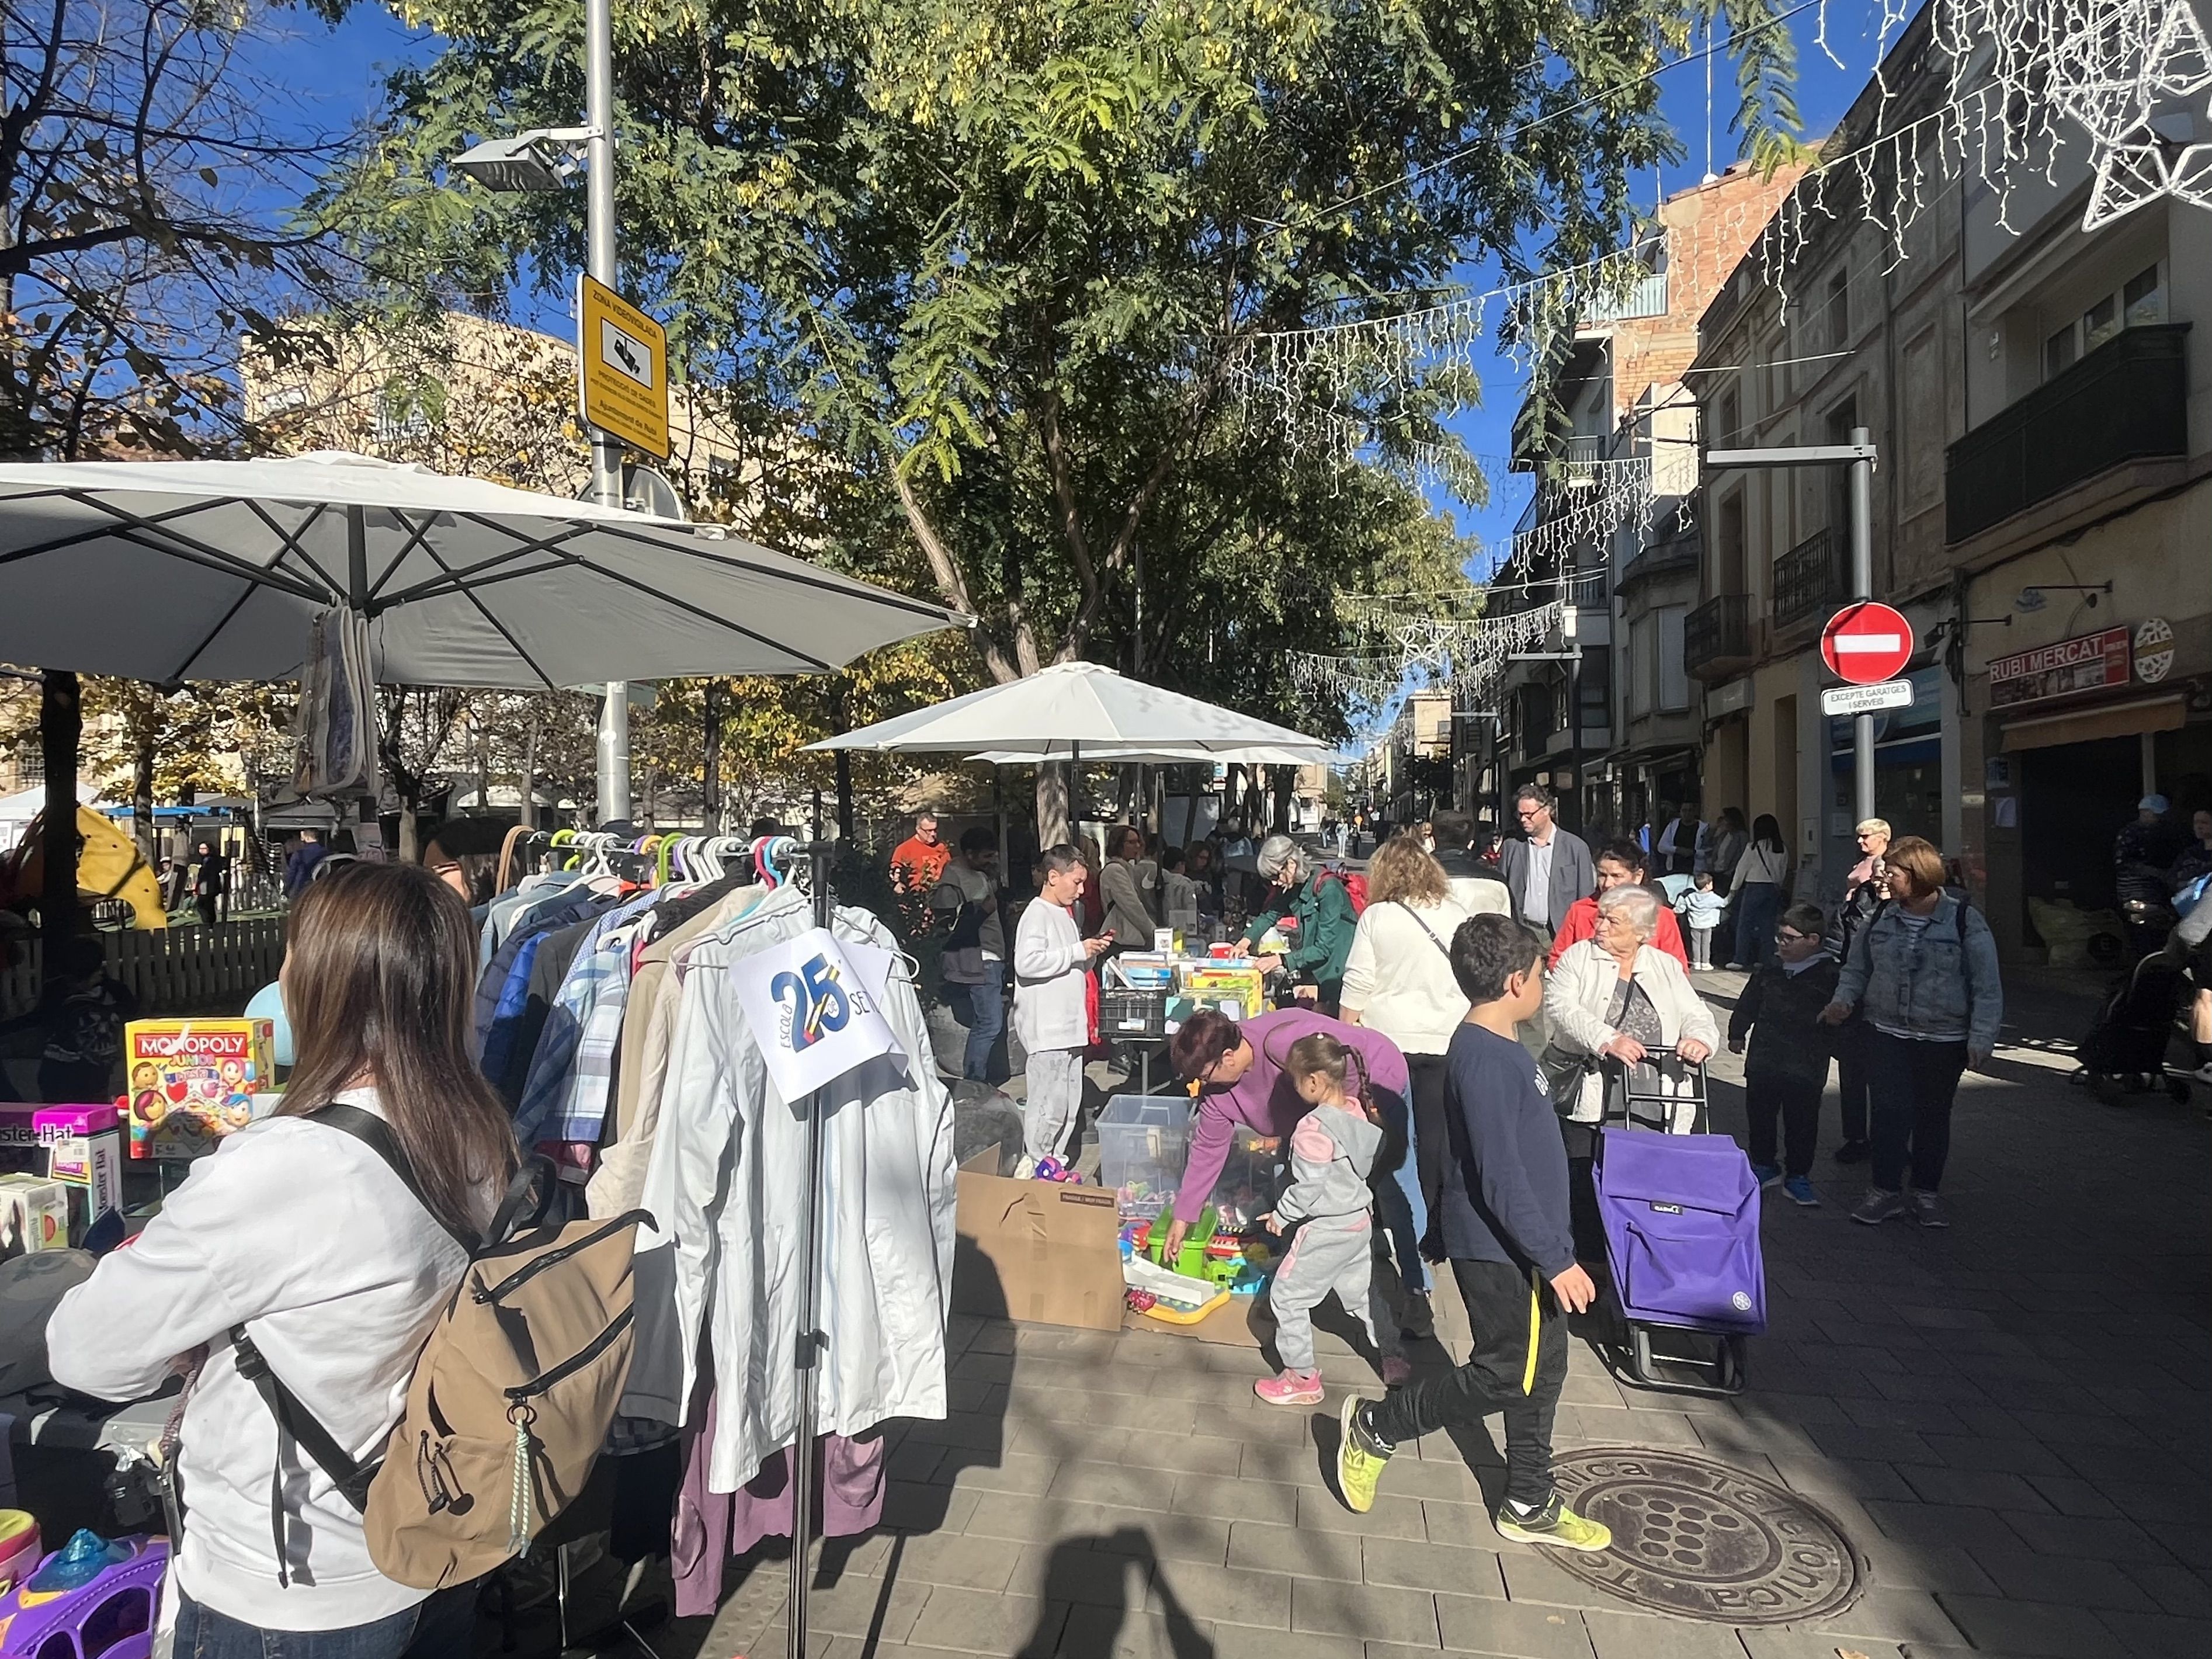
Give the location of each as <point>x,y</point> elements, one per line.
<point>1789,1064</point>
<point>1507,1231</point>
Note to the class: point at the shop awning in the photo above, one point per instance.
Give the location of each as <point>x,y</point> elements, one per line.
<point>2114,719</point>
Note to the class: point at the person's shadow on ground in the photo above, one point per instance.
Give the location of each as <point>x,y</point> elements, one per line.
<point>1093,1631</point>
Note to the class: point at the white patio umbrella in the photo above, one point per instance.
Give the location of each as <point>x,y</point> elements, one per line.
<point>1073,711</point>
<point>1162,754</point>
<point>209,570</point>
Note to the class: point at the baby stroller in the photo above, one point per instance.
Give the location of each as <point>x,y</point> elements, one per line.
<point>1681,1212</point>
<point>2124,1051</point>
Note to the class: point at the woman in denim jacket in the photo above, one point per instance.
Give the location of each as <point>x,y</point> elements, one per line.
<point>1925,970</point>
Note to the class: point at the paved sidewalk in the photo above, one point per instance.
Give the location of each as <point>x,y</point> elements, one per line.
<point>2009,1421</point>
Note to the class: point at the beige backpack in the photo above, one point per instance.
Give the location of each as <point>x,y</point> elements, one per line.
<point>512,1397</point>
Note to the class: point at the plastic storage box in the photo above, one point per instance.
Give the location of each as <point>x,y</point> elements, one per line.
<point>1144,1142</point>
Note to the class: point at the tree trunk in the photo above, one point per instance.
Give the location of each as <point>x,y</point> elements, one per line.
<point>530,772</point>
<point>1283,779</point>
<point>61,724</point>
<point>845,825</point>
<point>710,774</point>
<point>142,797</point>
<point>1052,817</point>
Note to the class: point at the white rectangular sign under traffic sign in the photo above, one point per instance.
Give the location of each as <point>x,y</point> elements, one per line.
<point>1866,699</point>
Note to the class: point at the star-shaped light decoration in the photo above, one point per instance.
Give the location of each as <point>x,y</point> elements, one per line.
<point>2133,74</point>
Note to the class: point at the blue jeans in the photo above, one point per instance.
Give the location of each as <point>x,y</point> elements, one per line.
<point>1398,1205</point>
<point>986,1021</point>
<point>442,1628</point>
<point>1758,910</point>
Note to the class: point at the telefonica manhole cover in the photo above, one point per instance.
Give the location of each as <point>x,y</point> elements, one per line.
<point>1702,1540</point>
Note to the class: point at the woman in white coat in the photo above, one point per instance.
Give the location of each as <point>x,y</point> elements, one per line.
<point>1614,996</point>
<point>1052,1015</point>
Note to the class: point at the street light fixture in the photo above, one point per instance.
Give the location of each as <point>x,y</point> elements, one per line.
<point>545,159</point>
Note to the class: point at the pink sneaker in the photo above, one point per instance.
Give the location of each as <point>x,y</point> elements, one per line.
<point>1291,1389</point>
<point>1397,1371</point>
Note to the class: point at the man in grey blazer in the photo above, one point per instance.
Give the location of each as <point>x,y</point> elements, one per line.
<point>1548,870</point>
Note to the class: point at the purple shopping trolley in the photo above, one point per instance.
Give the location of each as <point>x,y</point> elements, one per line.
<point>1681,1213</point>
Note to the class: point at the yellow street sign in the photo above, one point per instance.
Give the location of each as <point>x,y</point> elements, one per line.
<point>623,355</point>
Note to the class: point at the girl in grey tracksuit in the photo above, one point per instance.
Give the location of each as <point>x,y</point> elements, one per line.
<point>1333,1150</point>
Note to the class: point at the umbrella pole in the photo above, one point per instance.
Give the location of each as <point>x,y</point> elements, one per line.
<point>807,1359</point>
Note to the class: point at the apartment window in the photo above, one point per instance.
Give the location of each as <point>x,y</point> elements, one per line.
<point>1727,419</point>
<point>2139,303</point>
<point>1643,665</point>
<point>1673,673</point>
<point>1839,310</point>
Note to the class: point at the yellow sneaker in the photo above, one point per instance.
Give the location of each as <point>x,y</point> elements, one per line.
<point>1360,1459</point>
<point>1557,1524</point>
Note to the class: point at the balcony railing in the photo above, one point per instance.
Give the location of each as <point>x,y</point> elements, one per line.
<point>1648,298</point>
<point>1808,580</point>
<point>2126,401</point>
<point>1717,637</point>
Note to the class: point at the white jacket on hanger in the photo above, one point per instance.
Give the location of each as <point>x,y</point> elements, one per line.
<point>724,1184</point>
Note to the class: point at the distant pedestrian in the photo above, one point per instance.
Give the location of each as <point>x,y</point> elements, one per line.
<point>1130,915</point>
<point>1788,1066</point>
<point>1863,893</point>
<point>1724,847</point>
<point>1319,906</point>
<point>1477,885</point>
<point>1757,887</point>
<point>210,881</point>
<point>1548,869</point>
<point>1700,911</point>
<point>1178,892</point>
<point>1620,863</point>
<point>1507,1233</point>
<point>1052,1017</point>
<point>920,859</point>
<point>973,964</point>
<point>1676,853</point>
<point>300,868</point>
<point>2195,862</point>
<point>1925,970</point>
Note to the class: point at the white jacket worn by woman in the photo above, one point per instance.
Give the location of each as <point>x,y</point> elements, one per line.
<point>1760,864</point>
<point>1051,1006</point>
<point>1399,977</point>
<point>303,1235</point>
<point>1578,994</point>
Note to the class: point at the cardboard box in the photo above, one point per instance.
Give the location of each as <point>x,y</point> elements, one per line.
<point>192,1081</point>
<point>1036,1251</point>
<point>33,1215</point>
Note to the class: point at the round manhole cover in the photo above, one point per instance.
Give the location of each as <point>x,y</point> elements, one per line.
<point>1701,1540</point>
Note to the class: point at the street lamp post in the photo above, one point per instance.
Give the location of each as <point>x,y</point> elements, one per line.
<point>543,160</point>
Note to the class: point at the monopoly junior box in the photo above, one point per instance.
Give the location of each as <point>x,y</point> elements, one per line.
<point>192,1081</point>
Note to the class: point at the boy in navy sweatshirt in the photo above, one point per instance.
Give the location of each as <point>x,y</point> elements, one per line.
<point>1506,1230</point>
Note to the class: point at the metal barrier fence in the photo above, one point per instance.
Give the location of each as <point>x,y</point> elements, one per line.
<point>177,970</point>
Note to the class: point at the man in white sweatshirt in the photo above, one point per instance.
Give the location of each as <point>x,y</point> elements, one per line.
<point>1052,1017</point>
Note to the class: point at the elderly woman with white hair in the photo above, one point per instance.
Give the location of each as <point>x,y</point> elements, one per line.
<point>1320,917</point>
<point>1614,996</point>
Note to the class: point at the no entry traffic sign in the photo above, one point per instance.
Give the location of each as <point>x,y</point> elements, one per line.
<point>1867,643</point>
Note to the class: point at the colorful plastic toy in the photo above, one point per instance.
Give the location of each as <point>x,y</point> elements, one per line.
<point>19,1547</point>
<point>99,1595</point>
<point>1052,1169</point>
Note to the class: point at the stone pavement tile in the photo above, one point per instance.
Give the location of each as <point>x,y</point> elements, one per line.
<point>1870,1445</point>
<point>1248,1642</point>
<point>2160,1633</point>
<point>2071,1495</point>
<point>1258,1547</point>
<point>1839,1360</point>
<point>1471,1626</point>
<point>1298,1465</point>
<point>913,1506</point>
<point>1915,1416</point>
<point>1067,1571</point>
<point>1110,1483</point>
<point>1114,1411</point>
<point>1442,1568</point>
<point>974,1621</point>
<point>1991,1422</point>
<point>1941,1523</point>
<point>1322,1510</point>
<point>2179,1590</point>
<point>1993,1489</point>
<point>1846,1476</point>
<point>1974,1451</point>
<point>948,1558</point>
<point>912,1460</point>
<point>1736,1441</point>
<point>980,1429</point>
<point>1195,1453</point>
<point>1273,1501</point>
<point>1156,1537</point>
<point>966,1395</point>
<point>995,1336</point>
<point>2093,1536</point>
<point>1784,1642</point>
<point>855,1606</point>
<point>1533,1574</point>
<point>2066,1428</point>
<point>1591,1389</point>
<point>1894,1564</point>
<point>1635,1636</point>
<point>1098,1633</point>
<point>1372,1613</point>
<point>776,1639</point>
<point>1222,1596</point>
<point>1464,1526</point>
<point>1029,1517</point>
<point>2037,1627</point>
<point>1779,1406</point>
<point>971,1469</point>
<point>1620,1426</point>
<point>980,1365</point>
<point>2027,1576</point>
<point>1911,1616</point>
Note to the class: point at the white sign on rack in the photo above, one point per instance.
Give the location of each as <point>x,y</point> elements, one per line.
<point>814,1010</point>
<point>1866,699</point>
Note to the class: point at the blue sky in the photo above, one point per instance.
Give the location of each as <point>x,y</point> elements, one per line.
<point>339,77</point>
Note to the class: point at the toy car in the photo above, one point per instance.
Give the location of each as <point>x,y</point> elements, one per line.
<point>91,1599</point>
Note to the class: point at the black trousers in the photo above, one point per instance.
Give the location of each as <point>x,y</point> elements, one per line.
<point>1851,1076</point>
<point>1913,1085</point>
<point>1425,1077</point>
<point>1518,1366</point>
<point>1796,1101</point>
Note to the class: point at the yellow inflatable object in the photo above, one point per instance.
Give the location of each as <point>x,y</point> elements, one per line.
<point>108,865</point>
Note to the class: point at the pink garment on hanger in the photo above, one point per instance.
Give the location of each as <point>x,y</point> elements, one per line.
<point>711,1527</point>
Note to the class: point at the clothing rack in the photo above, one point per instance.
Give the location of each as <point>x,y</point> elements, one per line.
<point>806,1360</point>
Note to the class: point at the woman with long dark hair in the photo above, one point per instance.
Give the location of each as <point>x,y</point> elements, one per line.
<point>1757,887</point>
<point>305,1237</point>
